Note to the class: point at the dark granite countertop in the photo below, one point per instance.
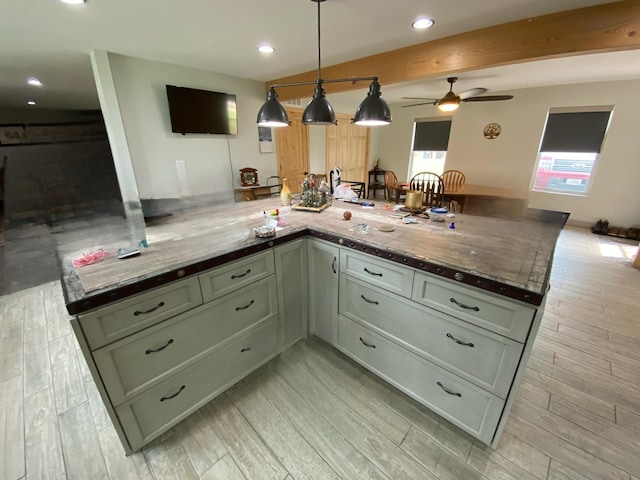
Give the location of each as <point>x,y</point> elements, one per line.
<point>509,256</point>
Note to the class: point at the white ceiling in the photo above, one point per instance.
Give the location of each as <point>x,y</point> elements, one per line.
<point>51,40</point>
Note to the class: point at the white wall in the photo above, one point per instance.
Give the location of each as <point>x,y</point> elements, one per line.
<point>212,161</point>
<point>509,160</point>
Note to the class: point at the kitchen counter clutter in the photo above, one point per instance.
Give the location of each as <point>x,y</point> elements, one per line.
<point>513,253</point>
<point>447,315</point>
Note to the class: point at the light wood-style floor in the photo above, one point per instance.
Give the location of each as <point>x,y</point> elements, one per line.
<point>314,414</point>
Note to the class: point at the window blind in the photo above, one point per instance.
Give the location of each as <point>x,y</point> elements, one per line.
<point>575,132</point>
<point>432,136</point>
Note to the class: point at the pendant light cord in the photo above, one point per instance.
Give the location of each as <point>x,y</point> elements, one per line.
<point>319,77</point>
<point>372,111</point>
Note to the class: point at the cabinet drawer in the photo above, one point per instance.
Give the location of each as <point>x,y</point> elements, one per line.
<point>385,274</point>
<point>113,322</point>
<point>486,310</point>
<point>132,364</point>
<point>225,279</point>
<point>148,415</point>
<point>484,358</point>
<point>462,403</point>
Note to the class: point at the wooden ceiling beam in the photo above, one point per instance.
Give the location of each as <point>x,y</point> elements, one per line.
<point>602,28</point>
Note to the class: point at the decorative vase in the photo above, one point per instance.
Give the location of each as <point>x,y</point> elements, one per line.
<point>285,193</point>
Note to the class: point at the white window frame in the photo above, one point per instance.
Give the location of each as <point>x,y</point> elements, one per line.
<point>596,159</point>
<point>412,153</point>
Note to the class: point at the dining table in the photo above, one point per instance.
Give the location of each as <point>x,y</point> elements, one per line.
<point>468,191</point>
<point>255,192</point>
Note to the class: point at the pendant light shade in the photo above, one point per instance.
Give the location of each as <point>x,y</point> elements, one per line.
<point>374,109</point>
<point>319,111</point>
<point>272,113</point>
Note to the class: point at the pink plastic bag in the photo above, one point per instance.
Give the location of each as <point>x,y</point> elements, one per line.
<point>89,258</point>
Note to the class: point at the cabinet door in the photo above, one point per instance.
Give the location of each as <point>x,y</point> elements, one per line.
<point>291,273</point>
<point>324,259</point>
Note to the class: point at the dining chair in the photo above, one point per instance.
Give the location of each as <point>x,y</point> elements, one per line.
<point>453,180</point>
<point>334,181</point>
<point>431,185</point>
<point>274,184</point>
<point>393,187</point>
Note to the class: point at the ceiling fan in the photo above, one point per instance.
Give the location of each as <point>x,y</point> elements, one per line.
<point>451,101</point>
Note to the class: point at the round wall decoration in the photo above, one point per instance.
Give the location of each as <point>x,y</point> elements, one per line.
<point>491,131</point>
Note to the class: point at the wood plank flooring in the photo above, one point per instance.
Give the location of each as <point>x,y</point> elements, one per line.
<point>312,413</point>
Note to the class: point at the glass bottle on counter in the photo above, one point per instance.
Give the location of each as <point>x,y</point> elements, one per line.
<point>285,193</point>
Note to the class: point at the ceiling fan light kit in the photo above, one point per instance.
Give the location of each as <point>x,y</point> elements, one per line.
<point>451,102</point>
<point>373,110</point>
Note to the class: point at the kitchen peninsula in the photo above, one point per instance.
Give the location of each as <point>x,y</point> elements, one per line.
<point>448,315</point>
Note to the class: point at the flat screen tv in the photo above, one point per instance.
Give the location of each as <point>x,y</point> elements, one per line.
<point>201,111</point>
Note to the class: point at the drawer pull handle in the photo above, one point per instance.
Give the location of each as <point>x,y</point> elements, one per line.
<point>138,312</point>
<point>147,352</point>
<point>370,345</point>
<point>245,307</point>
<point>372,273</point>
<point>455,394</point>
<point>245,349</point>
<point>240,275</point>
<point>460,342</point>
<point>462,305</point>
<point>375,302</point>
<point>174,395</point>
<point>333,264</point>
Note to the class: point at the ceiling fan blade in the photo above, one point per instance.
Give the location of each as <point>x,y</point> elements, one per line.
<point>417,104</point>
<point>419,98</point>
<point>472,93</point>
<point>488,98</point>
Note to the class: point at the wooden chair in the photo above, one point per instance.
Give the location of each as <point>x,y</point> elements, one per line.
<point>392,187</point>
<point>453,180</point>
<point>273,187</point>
<point>432,185</point>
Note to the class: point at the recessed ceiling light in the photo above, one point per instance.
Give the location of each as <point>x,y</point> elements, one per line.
<point>74,2</point>
<point>34,81</point>
<point>422,23</point>
<point>266,48</point>
<point>31,102</point>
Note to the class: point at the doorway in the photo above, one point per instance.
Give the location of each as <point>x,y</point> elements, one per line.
<point>292,146</point>
<point>348,148</point>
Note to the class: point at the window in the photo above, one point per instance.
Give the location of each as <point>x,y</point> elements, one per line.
<point>569,151</point>
<point>430,143</point>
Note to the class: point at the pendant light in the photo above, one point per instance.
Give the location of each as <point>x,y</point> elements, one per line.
<point>272,114</point>
<point>372,111</point>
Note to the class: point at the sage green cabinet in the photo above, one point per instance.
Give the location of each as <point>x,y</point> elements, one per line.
<point>293,291</point>
<point>324,265</point>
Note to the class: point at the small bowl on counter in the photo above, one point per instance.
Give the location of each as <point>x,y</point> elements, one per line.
<point>265,231</point>
<point>438,214</point>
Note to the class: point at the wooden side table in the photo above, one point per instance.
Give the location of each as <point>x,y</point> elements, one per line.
<point>376,183</point>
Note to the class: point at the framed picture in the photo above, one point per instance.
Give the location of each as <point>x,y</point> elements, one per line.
<point>265,140</point>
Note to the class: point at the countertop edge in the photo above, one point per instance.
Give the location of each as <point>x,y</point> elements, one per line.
<point>139,285</point>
